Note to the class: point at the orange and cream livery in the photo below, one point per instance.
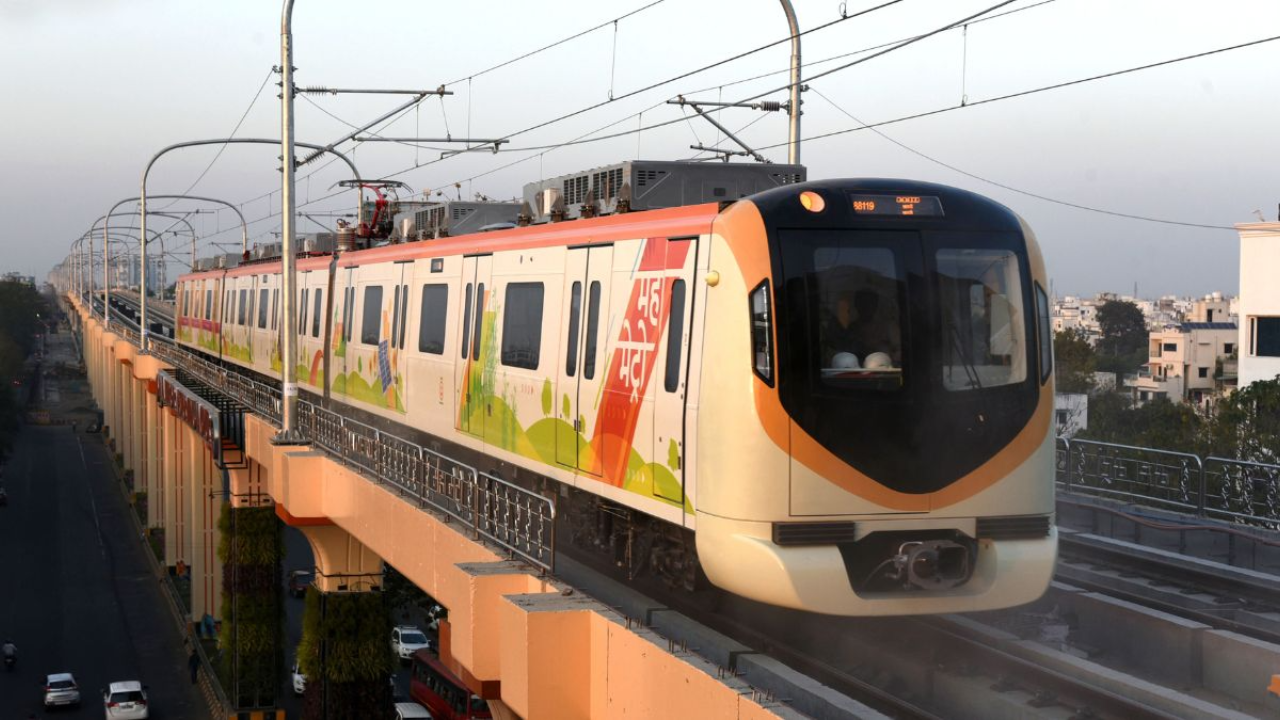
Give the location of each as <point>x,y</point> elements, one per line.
<point>833,396</point>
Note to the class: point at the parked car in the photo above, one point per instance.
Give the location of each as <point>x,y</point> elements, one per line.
<point>299,680</point>
<point>406,640</point>
<point>61,689</point>
<point>299,581</point>
<point>411,711</point>
<point>125,701</point>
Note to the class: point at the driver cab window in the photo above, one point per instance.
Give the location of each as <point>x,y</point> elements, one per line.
<point>982,320</point>
<point>859,315</point>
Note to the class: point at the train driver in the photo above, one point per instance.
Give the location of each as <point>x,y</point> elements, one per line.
<point>857,326</point>
<point>874,331</point>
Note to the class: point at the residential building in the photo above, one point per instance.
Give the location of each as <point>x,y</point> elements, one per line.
<point>1213,308</point>
<point>1183,363</point>
<point>1259,309</point>
<point>1070,413</point>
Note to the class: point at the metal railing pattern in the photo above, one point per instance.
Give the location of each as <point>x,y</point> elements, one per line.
<point>1249,491</point>
<point>1224,488</point>
<point>518,520</point>
<point>521,521</point>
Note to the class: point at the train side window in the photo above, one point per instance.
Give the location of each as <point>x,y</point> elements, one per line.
<point>479,322</point>
<point>263,307</point>
<point>351,315</point>
<point>575,309</point>
<point>208,304</point>
<point>593,322</point>
<point>395,316</point>
<point>404,316</point>
<point>241,308</point>
<point>249,315</point>
<point>762,332</point>
<point>1045,328</point>
<point>466,323</point>
<point>346,314</point>
<point>371,315</point>
<point>431,321</point>
<point>675,337</point>
<point>302,309</point>
<point>275,308</point>
<point>522,325</point>
<point>315,315</point>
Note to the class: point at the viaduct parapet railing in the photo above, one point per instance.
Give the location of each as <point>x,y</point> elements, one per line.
<point>518,520</point>
<point>1227,489</point>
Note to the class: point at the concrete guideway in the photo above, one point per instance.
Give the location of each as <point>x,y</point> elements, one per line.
<point>529,644</point>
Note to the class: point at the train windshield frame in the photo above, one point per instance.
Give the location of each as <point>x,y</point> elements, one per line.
<point>952,358</point>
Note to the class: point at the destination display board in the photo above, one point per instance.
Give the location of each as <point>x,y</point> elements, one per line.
<point>897,205</point>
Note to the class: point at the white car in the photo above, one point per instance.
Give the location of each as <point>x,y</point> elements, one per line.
<point>61,689</point>
<point>125,701</point>
<point>406,640</point>
<point>411,711</point>
<point>299,681</point>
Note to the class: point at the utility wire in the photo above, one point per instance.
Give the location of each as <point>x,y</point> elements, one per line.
<point>222,148</point>
<point>644,89</point>
<point>841,56</point>
<point>557,43</point>
<point>871,126</point>
<point>1033,91</point>
<point>1010,188</point>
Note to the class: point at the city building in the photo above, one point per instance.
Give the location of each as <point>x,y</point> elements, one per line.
<point>1070,413</point>
<point>1259,307</point>
<point>1185,364</point>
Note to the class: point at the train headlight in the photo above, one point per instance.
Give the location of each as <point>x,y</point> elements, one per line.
<point>812,201</point>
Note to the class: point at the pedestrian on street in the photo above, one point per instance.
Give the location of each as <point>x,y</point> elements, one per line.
<point>193,662</point>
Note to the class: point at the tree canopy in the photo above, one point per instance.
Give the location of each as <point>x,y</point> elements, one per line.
<point>1074,362</point>
<point>20,310</point>
<point>1243,425</point>
<point>1123,345</point>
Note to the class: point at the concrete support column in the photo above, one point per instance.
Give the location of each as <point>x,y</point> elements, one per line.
<point>137,432</point>
<point>152,439</point>
<point>175,471</point>
<point>186,503</point>
<point>206,507</point>
<point>343,563</point>
<point>160,452</point>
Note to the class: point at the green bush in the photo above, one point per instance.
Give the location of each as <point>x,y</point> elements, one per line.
<point>252,633</point>
<point>345,641</point>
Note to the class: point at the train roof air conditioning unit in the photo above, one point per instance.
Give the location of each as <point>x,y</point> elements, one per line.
<point>451,218</point>
<point>635,185</point>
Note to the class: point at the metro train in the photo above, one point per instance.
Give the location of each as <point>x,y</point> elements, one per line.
<point>834,396</point>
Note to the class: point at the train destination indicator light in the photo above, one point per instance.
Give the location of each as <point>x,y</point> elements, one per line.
<point>897,205</point>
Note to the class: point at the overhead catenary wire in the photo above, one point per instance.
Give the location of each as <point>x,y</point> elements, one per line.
<point>222,148</point>
<point>1011,188</point>
<point>652,86</point>
<point>861,126</point>
<point>642,128</point>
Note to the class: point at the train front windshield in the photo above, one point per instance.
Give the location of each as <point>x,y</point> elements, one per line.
<point>900,345</point>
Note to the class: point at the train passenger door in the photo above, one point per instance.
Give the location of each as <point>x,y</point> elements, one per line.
<point>582,372</point>
<point>401,275</point>
<point>671,371</point>
<point>476,349</point>
<point>345,283</point>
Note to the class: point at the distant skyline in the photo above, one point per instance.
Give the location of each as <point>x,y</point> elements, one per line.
<point>95,88</point>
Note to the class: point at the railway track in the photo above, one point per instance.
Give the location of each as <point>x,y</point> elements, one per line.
<point>1243,601</point>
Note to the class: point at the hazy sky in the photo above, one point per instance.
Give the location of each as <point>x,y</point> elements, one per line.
<point>92,88</point>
